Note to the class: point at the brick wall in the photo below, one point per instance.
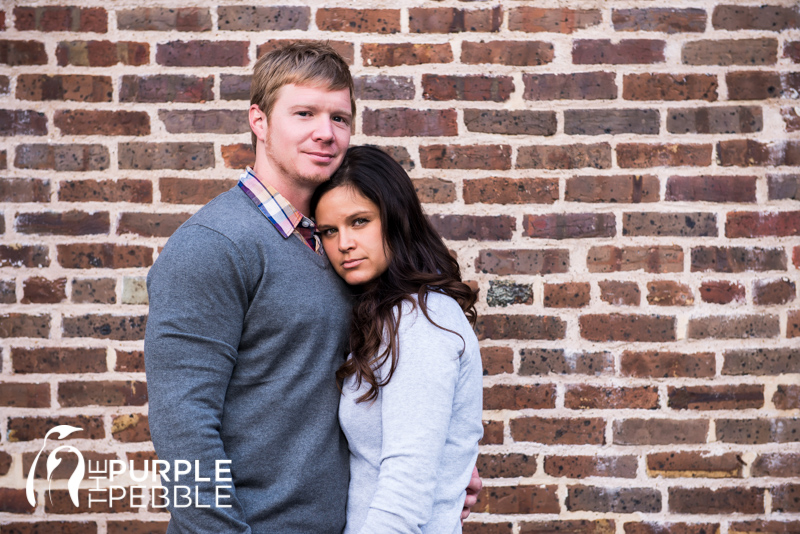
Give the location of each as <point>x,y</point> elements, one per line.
<point>619,179</point>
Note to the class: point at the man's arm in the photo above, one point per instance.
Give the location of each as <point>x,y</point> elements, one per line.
<point>198,300</point>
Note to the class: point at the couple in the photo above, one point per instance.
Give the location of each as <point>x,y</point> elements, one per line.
<point>250,327</point>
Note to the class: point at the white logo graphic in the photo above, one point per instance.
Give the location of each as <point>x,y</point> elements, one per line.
<point>52,462</point>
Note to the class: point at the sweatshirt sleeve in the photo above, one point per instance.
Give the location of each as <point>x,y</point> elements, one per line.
<point>416,407</point>
<point>198,299</point>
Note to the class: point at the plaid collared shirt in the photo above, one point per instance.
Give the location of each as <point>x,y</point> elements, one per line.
<point>283,216</point>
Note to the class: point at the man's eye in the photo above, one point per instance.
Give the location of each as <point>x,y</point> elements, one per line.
<point>304,113</point>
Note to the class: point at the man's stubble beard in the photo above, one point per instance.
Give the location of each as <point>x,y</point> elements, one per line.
<point>312,181</point>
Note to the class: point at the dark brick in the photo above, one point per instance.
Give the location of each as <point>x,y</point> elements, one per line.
<point>632,431</point>
<point>738,189</point>
<point>519,327</point>
<point>620,293</point>
<point>760,85</point>
<point>105,393</point>
<point>453,20</point>
<point>504,293</point>
<point>591,466</point>
<point>669,293</point>
<point>103,255</point>
<point>74,87</point>
<point>61,19</point>
<point>721,292</point>
<point>63,223</point>
<point>734,327</point>
<point>359,20</point>
<point>670,87</point>
<point>694,464</point>
<point>137,527</point>
<point>506,465</point>
<point>188,19</point>
<point>748,153</point>
<point>725,52</point>
<point>625,52</point>
<point>619,500</point>
<point>786,498</point>
<point>94,291</point>
<point>155,156</point>
<point>520,499</point>
<point>485,157</point>
<point>630,328</point>
<point>511,191</point>
<point>131,361</point>
<point>737,259</point>
<point>405,122</point>
<point>736,397</point>
<point>517,53</point>
<point>484,228</point>
<point>522,261</point>
<point>778,527</point>
<point>234,87</point>
<point>720,501</point>
<point>510,122</point>
<point>611,121</point>
<point>669,224</point>
<point>613,189</point>
<point>666,20</point>
<point>105,326</point>
<point>768,18</point>
<point>758,431</point>
<point>8,292</point>
<point>574,526</point>
<point>773,292</point>
<point>662,364</point>
<point>534,19</point>
<point>22,122</point>
<point>761,362</point>
<point>192,191</point>
<point>218,121</point>
<point>658,259</point>
<point>102,53</point>
<point>203,54</point>
<point>566,295</point>
<point>86,122</point>
<point>14,501</point>
<point>58,360</point>
<point>791,50</point>
<point>67,158</point>
<point>588,397</point>
<point>24,256</point>
<point>728,119</point>
<point>24,190</point>
<point>40,290</point>
<point>492,433</point>
<point>477,87</point>
<point>31,428</point>
<point>263,18</point>
<point>569,225</point>
<point>577,86</point>
<point>166,88</point>
<point>503,397</point>
<point>27,395</point>
<point>15,53</point>
<point>554,157</point>
<point>497,360</point>
<point>572,431</point>
<point>59,502</point>
<point>396,54</point>
<point>23,325</point>
<point>382,87</point>
<point>150,224</point>
<point>787,397</point>
<point>639,155</point>
<point>781,186</point>
<point>486,528</point>
<point>122,190</point>
<point>557,361</point>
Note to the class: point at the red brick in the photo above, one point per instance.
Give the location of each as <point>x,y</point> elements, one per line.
<point>359,20</point>
<point>22,122</point>
<point>738,189</point>
<point>517,53</point>
<point>671,87</point>
<point>620,293</point>
<point>569,225</point>
<point>497,360</point>
<point>557,361</point>
<point>452,20</point>
<point>718,119</point>
<point>166,88</point>
<point>86,122</point>
<point>59,502</point>
<point>587,397</point>
<point>31,428</point>
<point>396,54</point>
<point>156,156</point>
<point>522,261</point>
<point>511,191</point>
<point>14,501</point>
<point>40,290</point>
<point>105,393</point>
<point>793,323</point>
<point>613,189</point>
<point>596,155</point>
<point>24,256</point>
<point>630,328</point>
<point>102,53</point>
<point>796,256</point>
<point>492,433</point>
<point>625,52</point>
<point>725,52</point>
<point>506,465</point>
<point>203,54</point>
<point>238,156</point>
<point>739,397</point>
<point>80,88</point>
<point>737,259</point>
<point>192,191</point>
<point>521,499</point>
<point>760,85</point>
<point>103,255</point>
<point>502,397</point>
<point>218,121</point>
<point>657,259</point>
<point>611,121</point>
<point>760,224</point>
<point>509,122</point>
<point>747,153</point>
<point>484,157</point>
<point>631,431</point>
<point>566,295</point>
<point>58,360</point>
<point>62,157</point>
<point>264,18</point>
<point>721,501</point>
<point>137,527</point>
<point>105,326</point>
<point>24,190</point>
<point>577,86</point>
<point>519,327</point>
<point>533,19</point>
<point>691,464</point>
<point>23,325</point>
<point>669,293</point>
<point>486,528</point>
<point>63,223</point>
<point>666,20</point>
<point>777,527</point>
<point>787,397</point>
<point>662,364</point>
<point>591,466</point>
<point>773,292</point>
<point>791,50</point>
<point>122,190</point>
<point>619,500</point>
<point>61,19</point>
<point>130,361</point>
<point>765,18</point>
<point>346,49</point>
<point>573,431</point>
<point>130,428</point>
<point>150,224</point>
<point>15,53</point>
<point>27,395</point>
<point>721,292</point>
<point>734,327</point>
<point>405,122</point>
<point>434,190</point>
<point>472,87</point>
<point>640,155</point>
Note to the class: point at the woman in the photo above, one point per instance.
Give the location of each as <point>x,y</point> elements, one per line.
<point>412,385</point>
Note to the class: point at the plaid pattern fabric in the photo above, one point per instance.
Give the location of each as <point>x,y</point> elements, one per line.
<point>283,216</point>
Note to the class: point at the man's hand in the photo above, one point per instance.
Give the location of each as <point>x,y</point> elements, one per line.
<point>473,489</point>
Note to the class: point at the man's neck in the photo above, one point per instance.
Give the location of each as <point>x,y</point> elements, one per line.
<point>298,197</point>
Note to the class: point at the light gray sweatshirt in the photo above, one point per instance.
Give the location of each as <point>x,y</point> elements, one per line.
<point>412,450</point>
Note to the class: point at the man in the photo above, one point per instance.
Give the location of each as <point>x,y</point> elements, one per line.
<point>248,322</point>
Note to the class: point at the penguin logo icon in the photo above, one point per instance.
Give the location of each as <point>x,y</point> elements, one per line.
<point>52,462</point>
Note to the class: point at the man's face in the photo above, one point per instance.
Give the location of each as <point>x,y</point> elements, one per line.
<point>308,133</point>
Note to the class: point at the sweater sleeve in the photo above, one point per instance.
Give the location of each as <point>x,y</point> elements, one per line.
<point>198,300</point>
<point>416,407</point>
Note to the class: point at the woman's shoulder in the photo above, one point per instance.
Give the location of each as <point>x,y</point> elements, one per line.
<point>443,309</point>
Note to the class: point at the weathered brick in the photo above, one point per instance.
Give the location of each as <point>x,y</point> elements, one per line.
<point>758,431</point>
<point>569,225</point>
<point>192,191</point>
<point>736,397</point>
<point>510,122</point>
<point>401,155</point>
<point>497,360</point>
<point>104,255</point>
<point>58,360</point>
<point>24,190</point>
<point>721,119</point>
<point>503,397</point>
<point>793,323</point>
<point>122,190</point>
<point>791,50</point>
<point>640,155</point>
<point>3,159</point>
<point>760,224</point>
<point>657,259</point>
<point>88,122</point>
<point>738,259</point>
<point>218,121</point>
<point>61,19</point>
<point>396,54</point>
<point>624,52</point>
<point>103,393</point>
<point>705,188</point>
<point>405,122</point>
<point>611,121</point>
<point>630,328</point>
<point>721,292</point>
<point>521,499</point>
<point>73,157</point>
<point>773,292</point>
<point>346,49</point>
<point>263,18</point>
<point>5,84</point>
<point>452,20</point>
<point>613,189</point>
<point>596,155</point>
<point>769,18</point>
<point>670,87</point>
<point>130,428</point>
<point>382,87</point>
<point>669,293</point>
<point>434,190</point>
<point>734,327</point>
<point>662,364</point>
<point>105,326</point>
<point>589,397</point>
<point>506,465</point>
<point>24,256</point>
<point>505,292</point>
<point>619,500</point>
<point>234,87</point>
<point>63,223</point>
<point>564,431</point>
<point>533,19</point>
<point>102,53</point>
<point>669,224</point>
<point>786,498</point>
<point>781,186</point>
<point>761,362</point>
<point>8,292</point>
<point>150,224</point>
<point>40,290</point>
<point>31,428</point>
<point>166,88</point>
<point>94,291</point>
<point>694,464</point>
<point>566,295</point>
<point>76,87</point>
<point>24,395</point>
<point>633,431</point>
<point>760,85</point>
<point>22,122</point>
<point>511,191</point>
<point>187,19</point>
<point>359,20</point>
<point>203,54</point>
<point>719,501</point>
<point>470,87</point>
<point>668,20</point>
<point>519,327</point>
<point>620,293</point>
<point>726,52</point>
<point>557,361</point>
<point>15,53</point>
<point>484,228</point>
<point>14,501</point>
<point>590,466</point>
<point>154,156</point>
<point>574,526</point>
<point>238,156</point>
<point>134,290</point>
<point>517,53</point>
<point>24,325</point>
<point>748,152</point>
<point>577,86</point>
<point>776,465</point>
<point>522,261</point>
<point>485,157</point>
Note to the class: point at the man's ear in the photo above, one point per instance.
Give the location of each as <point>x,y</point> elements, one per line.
<point>258,122</point>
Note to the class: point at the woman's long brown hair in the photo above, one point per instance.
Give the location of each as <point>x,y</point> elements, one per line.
<point>419,263</point>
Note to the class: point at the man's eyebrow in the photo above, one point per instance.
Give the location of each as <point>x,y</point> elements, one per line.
<point>316,107</point>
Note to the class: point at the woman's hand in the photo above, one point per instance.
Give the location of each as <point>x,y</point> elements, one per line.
<point>473,489</point>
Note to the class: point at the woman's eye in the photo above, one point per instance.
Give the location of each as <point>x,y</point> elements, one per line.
<point>360,221</point>
<point>327,232</point>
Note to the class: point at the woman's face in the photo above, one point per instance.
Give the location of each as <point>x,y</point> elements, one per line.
<point>350,227</point>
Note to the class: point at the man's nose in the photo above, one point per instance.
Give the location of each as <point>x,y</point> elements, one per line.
<point>323,130</point>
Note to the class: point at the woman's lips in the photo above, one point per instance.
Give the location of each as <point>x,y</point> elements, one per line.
<point>349,264</point>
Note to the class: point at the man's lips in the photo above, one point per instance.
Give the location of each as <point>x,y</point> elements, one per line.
<point>324,157</point>
<point>349,264</point>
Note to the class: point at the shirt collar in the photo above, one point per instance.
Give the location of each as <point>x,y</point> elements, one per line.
<point>273,205</point>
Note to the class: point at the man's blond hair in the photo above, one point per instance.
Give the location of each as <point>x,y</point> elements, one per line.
<point>313,63</point>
